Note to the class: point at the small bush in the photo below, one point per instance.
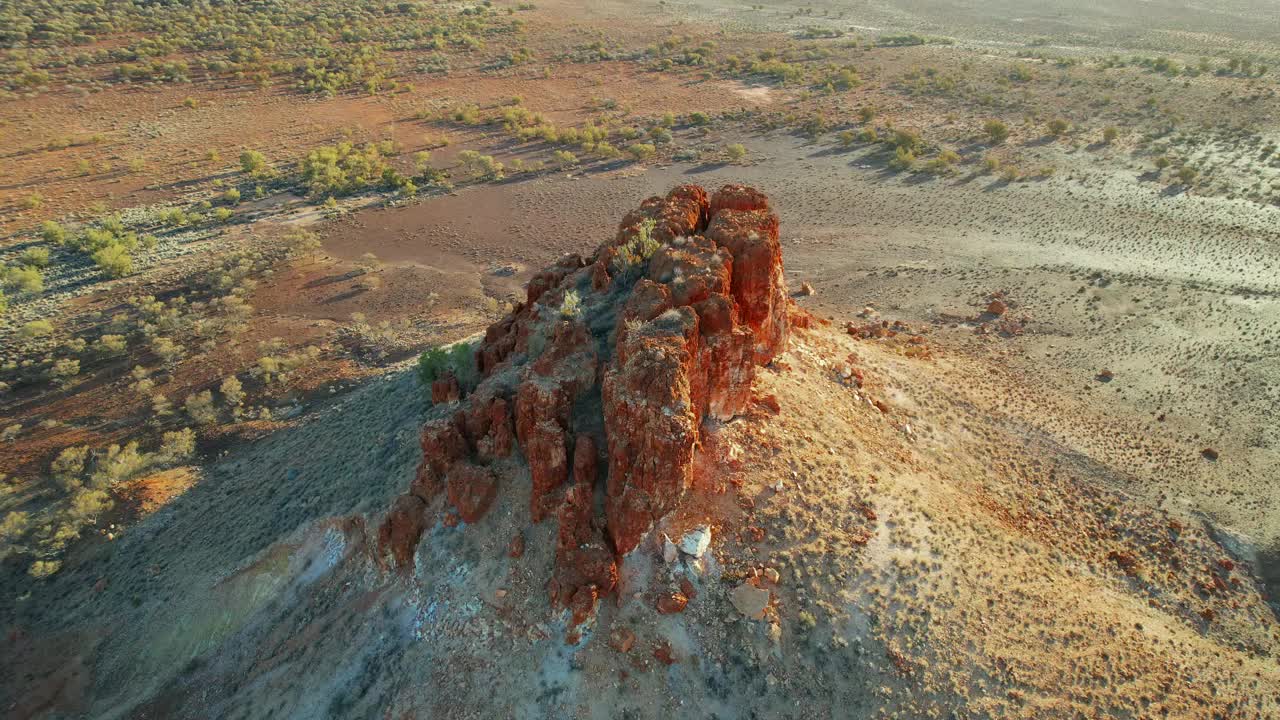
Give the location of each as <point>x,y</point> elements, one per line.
<point>735,152</point>
<point>54,233</point>
<point>996,131</point>
<point>642,151</point>
<point>458,358</point>
<point>114,260</point>
<point>64,370</point>
<point>34,257</point>
<point>26,280</point>
<point>571,306</point>
<point>199,407</point>
<point>903,160</point>
<point>176,446</point>
<point>232,394</point>
<point>111,345</point>
<point>254,163</point>
<point>35,329</point>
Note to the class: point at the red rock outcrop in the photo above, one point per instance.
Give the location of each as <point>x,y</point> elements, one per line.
<point>695,285</point>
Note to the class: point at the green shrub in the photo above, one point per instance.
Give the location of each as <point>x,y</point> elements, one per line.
<point>458,359</point>
<point>231,197</point>
<point>111,345</point>
<point>26,280</point>
<point>996,131</point>
<point>903,159</point>
<point>176,446</point>
<point>904,139</point>
<point>53,232</point>
<point>343,169</point>
<point>114,260</point>
<point>735,152</point>
<point>481,166</point>
<point>34,257</point>
<point>199,407</point>
<point>64,370</point>
<point>571,306</point>
<point>642,151</point>
<point>254,163</point>
<point>35,329</point>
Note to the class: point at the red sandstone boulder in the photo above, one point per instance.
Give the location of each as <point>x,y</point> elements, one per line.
<point>442,442</point>
<point>444,389</point>
<point>401,529</point>
<point>472,489</point>
<point>550,386</point>
<point>738,197</point>
<point>498,439</point>
<point>681,213</point>
<point>751,237</point>
<point>651,421</point>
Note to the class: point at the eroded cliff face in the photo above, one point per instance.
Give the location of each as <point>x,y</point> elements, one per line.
<point>603,379</point>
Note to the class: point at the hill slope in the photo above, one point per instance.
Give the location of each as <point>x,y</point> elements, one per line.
<point>861,524</point>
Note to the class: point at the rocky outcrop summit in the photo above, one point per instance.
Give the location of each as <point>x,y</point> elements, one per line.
<point>601,382</point>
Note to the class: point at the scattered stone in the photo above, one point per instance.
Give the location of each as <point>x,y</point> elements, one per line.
<point>671,603</point>
<point>806,290</point>
<point>664,655</point>
<point>622,640</point>
<point>516,547</point>
<point>997,307</point>
<point>688,589</point>
<point>1210,454</point>
<point>1105,375</point>
<point>750,600</point>
<point>771,575</point>
<point>669,551</point>
<point>695,542</point>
